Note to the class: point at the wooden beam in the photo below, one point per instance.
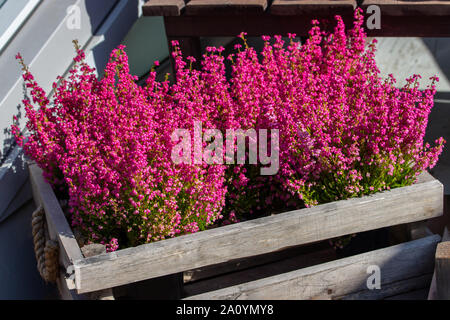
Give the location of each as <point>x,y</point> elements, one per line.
<point>254,25</point>
<point>58,227</point>
<point>92,250</point>
<point>432,293</point>
<point>163,7</point>
<point>237,277</point>
<point>442,270</point>
<point>393,290</point>
<point>410,8</point>
<point>269,24</point>
<point>251,264</point>
<point>67,292</point>
<point>339,278</point>
<point>412,26</point>
<point>224,7</point>
<point>313,7</point>
<point>420,201</point>
<point>419,294</point>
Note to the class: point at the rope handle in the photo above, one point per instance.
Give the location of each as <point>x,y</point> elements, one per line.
<point>45,249</point>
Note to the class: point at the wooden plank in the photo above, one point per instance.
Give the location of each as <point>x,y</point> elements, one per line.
<point>410,8</point>
<point>420,201</point>
<point>232,25</point>
<point>432,294</point>
<point>339,278</point>
<point>91,250</point>
<point>420,294</point>
<point>273,268</point>
<point>223,7</point>
<point>394,291</point>
<point>163,7</point>
<point>59,229</point>
<point>412,26</point>
<point>312,7</point>
<point>270,24</point>
<point>251,262</point>
<point>442,270</point>
<point>66,292</point>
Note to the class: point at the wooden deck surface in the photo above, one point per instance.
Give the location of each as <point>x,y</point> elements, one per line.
<point>195,18</point>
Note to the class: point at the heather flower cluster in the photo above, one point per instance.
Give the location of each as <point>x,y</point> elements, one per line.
<point>347,131</point>
<point>105,144</point>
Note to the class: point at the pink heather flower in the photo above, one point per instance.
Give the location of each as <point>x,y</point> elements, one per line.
<point>106,144</point>
<point>113,245</point>
<point>344,132</point>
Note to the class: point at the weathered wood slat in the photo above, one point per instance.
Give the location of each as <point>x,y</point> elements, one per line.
<point>412,26</point>
<point>420,294</point>
<point>294,7</point>
<point>67,293</point>
<point>406,8</point>
<point>442,270</point>
<point>163,7</point>
<point>252,262</point>
<point>294,262</point>
<point>93,250</point>
<point>58,226</point>
<point>432,293</point>
<point>270,24</point>
<point>393,290</point>
<point>312,7</point>
<point>340,278</point>
<point>222,7</point>
<point>401,205</point>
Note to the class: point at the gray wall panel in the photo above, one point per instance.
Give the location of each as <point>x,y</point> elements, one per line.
<point>45,41</point>
<point>46,45</point>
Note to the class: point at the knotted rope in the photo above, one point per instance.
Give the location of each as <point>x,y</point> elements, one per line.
<point>45,249</point>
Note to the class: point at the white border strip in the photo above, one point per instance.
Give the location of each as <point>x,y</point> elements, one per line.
<point>17,22</point>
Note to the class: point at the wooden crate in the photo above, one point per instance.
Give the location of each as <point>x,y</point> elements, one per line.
<point>412,260</point>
